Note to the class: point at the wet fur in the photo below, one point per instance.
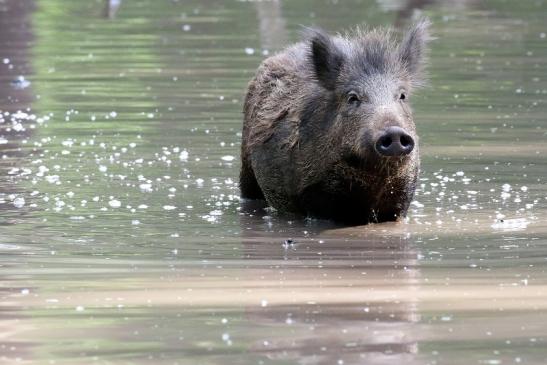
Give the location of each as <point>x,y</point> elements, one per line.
<point>302,150</point>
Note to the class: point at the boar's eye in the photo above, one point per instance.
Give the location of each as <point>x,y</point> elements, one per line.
<point>353,98</point>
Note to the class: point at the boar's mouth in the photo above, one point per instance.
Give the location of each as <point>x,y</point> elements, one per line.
<point>360,163</point>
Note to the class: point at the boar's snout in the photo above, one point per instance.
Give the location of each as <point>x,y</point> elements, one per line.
<point>395,141</point>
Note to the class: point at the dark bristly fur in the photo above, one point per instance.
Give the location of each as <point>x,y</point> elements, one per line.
<point>312,115</point>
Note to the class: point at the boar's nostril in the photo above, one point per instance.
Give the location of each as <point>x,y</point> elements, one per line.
<point>386,141</point>
<point>395,141</point>
<point>406,140</point>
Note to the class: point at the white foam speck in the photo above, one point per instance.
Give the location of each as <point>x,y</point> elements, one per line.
<point>19,202</point>
<point>146,188</point>
<point>516,224</point>
<point>183,155</point>
<point>115,203</point>
<point>417,204</point>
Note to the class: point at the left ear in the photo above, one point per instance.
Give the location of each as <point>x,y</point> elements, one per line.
<point>325,57</point>
<point>413,48</point>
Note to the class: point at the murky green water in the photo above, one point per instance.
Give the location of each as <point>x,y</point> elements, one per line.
<point>123,240</point>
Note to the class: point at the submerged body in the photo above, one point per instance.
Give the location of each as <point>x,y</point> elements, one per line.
<point>328,131</point>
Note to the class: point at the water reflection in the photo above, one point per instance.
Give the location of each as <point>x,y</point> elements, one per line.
<point>16,36</point>
<point>272,25</point>
<point>111,7</point>
<point>320,300</point>
<point>342,299</point>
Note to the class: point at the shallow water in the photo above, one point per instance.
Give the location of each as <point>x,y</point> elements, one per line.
<point>123,239</point>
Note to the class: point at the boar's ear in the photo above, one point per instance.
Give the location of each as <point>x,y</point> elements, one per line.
<point>325,56</point>
<point>413,48</point>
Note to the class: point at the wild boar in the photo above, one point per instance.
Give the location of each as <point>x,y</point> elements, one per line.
<point>328,131</point>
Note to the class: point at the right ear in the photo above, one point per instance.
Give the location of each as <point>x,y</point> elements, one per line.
<point>325,57</point>
<point>413,48</point>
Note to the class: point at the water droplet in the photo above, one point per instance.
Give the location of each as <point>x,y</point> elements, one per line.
<point>115,203</point>
<point>19,202</point>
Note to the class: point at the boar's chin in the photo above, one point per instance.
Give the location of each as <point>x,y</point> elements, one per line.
<point>362,195</point>
<point>367,178</point>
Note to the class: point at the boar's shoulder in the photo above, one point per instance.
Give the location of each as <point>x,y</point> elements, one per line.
<point>274,95</point>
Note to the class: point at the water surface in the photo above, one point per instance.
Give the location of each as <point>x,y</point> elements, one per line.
<point>123,238</point>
